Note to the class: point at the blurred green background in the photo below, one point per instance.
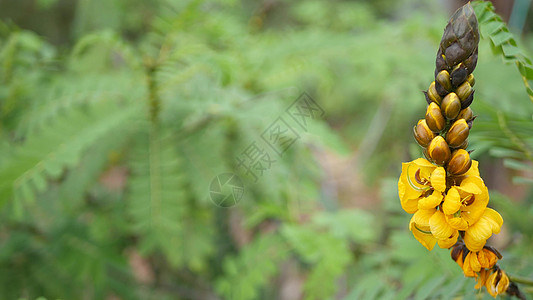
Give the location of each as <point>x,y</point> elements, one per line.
<point>116,115</point>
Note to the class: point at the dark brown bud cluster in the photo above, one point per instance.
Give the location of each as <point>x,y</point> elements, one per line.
<point>444,131</point>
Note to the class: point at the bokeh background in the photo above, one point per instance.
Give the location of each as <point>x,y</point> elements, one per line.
<point>116,115</point>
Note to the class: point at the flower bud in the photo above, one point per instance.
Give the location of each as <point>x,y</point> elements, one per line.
<point>459,163</point>
<point>466,103</point>
<point>426,155</point>
<point>432,93</point>
<point>438,151</point>
<point>471,62</point>
<point>458,133</point>
<point>466,114</point>
<point>450,106</point>
<point>443,77</point>
<point>434,118</point>
<point>440,89</point>
<point>464,145</point>
<point>464,91</point>
<point>440,62</point>
<point>459,75</point>
<point>423,135</point>
<point>471,80</point>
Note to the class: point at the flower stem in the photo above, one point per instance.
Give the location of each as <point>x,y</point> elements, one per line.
<point>521,280</point>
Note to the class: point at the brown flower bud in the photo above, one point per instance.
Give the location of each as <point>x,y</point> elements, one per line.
<point>471,79</point>
<point>464,91</point>
<point>466,114</point>
<point>466,103</point>
<point>444,79</point>
<point>426,155</point>
<point>458,133</point>
<point>432,93</point>
<point>423,135</point>
<point>459,163</point>
<point>450,106</point>
<point>434,118</point>
<point>464,145</point>
<point>440,90</point>
<point>458,75</point>
<point>471,62</point>
<point>438,151</point>
<point>440,62</point>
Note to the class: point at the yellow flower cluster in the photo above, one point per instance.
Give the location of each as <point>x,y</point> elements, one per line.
<point>444,207</point>
<point>444,191</point>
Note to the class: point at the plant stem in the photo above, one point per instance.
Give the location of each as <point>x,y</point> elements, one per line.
<point>520,279</point>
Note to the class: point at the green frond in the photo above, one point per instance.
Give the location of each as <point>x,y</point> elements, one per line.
<point>59,146</point>
<point>159,204</point>
<point>492,27</point>
<point>246,274</point>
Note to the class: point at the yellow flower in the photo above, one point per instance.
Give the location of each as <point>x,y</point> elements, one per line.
<point>475,262</point>
<point>465,203</point>
<point>488,258</point>
<point>477,234</point>
<point>421,185</point>
<point>497,283</point>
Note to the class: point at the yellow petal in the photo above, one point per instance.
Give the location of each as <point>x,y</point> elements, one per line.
<point>438,179</point>
<point>477,234</point>
<point>430,201</point>
<point>439,227</point>
<point>457,222</point>
<point>472,185</point>
<point>422,235</point>
<point>474,262</point>
<point>467,267</point>
<point>481,279</point>
<point>422,216</point>
<point>473,212</point>
<point>452,202</point>
<point>408,188</point>
<point>474,170</point>
<point>449,242</point>
<point>422,162</point>
<point>410,206</point>
<point>494,218</point>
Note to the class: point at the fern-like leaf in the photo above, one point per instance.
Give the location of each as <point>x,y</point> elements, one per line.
<point>58,146</point>
<point>492,27</point>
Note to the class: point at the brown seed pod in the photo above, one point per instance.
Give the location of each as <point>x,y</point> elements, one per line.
<point>450,106</point>
<point>434,118</point>
<point>423,135</point>
<point>438,151</point>
<point>457,133</point>
<point>459,163</point>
